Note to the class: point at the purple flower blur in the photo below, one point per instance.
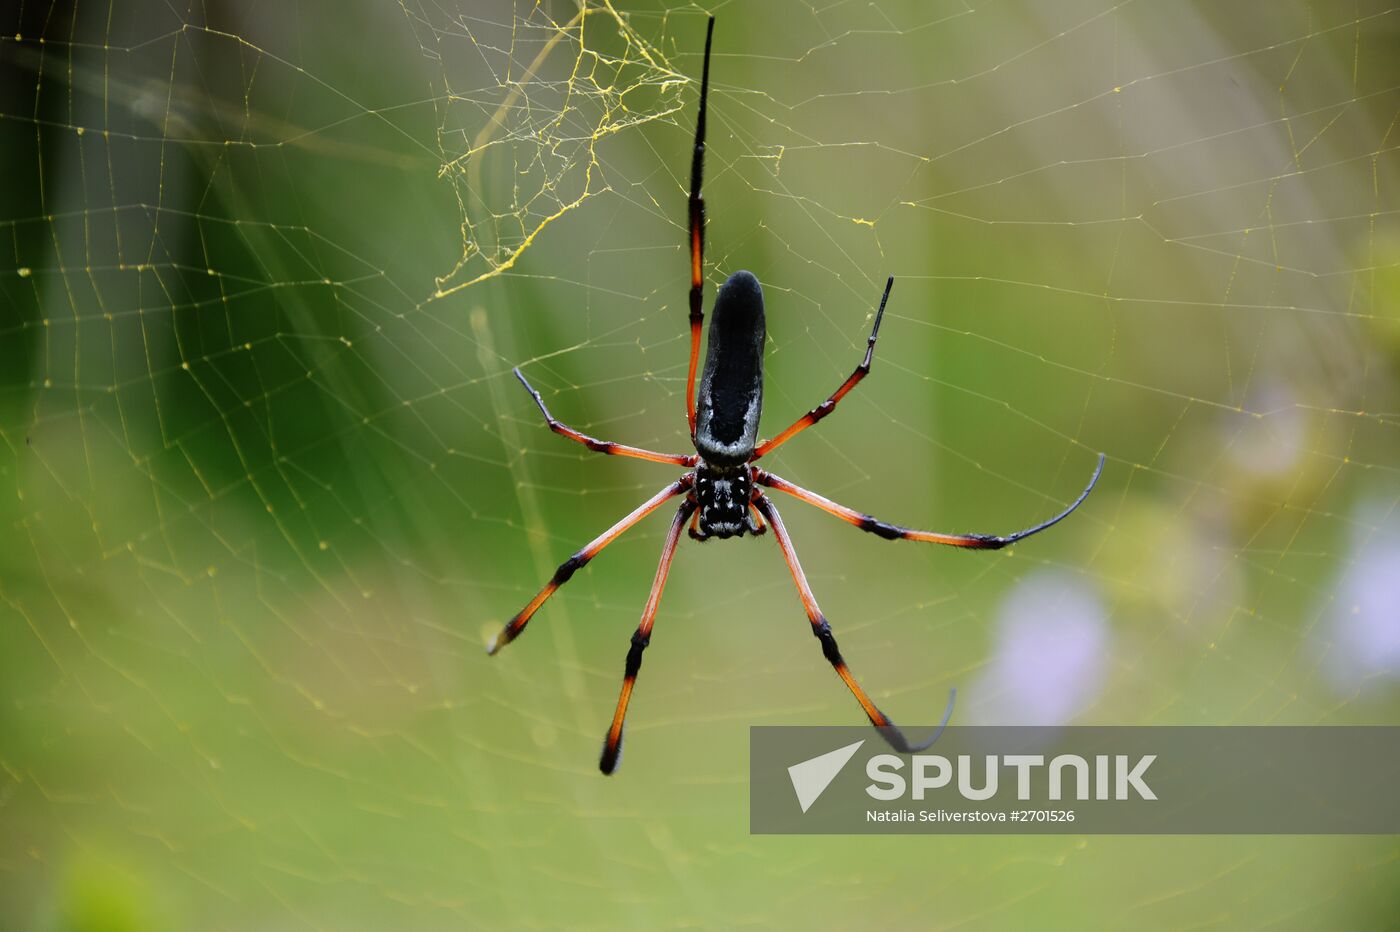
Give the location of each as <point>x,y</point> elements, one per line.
<point>1052,636</point>
<point>1363,630</point>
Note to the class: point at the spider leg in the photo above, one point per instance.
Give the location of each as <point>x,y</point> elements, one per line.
<point>612,744</point>
<point>895,532</point>
<point>756,525</point>
<point>826,407</point>
<point>697,235</point>
<point>888,730</point>
<point>606,447</point>
<point>695,527</point>
<point>580,559</point>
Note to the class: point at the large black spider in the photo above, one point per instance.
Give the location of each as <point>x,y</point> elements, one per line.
<point>722,489</point>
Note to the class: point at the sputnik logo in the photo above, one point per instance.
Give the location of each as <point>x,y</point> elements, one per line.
<point>811,777</point>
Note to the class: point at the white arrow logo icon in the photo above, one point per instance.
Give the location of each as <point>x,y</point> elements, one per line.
<point>811,777</point>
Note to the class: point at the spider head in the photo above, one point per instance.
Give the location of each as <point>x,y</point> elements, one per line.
<point>724,496</point>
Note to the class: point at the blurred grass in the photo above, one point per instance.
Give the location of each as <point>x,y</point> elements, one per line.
<point>270,494</point>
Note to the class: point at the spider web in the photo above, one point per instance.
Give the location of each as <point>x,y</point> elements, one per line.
<point>270,484</point>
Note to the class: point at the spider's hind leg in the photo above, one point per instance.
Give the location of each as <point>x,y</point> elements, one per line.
<point>612,744</point>
<point>581,558</point>
<point>822,629</point>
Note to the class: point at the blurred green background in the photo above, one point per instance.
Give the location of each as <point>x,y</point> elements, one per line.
<point>269,485</point>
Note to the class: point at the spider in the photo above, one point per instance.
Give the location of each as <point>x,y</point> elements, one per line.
<point>722,493</point>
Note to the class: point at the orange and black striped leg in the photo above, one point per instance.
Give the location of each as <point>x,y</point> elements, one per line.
<point>580,559</point>
<point>606,447</point>
<point>888,730</point>
<point>826,407</point>
<point>895,532</point>
<point>612,744</point>
<point>696,224</point>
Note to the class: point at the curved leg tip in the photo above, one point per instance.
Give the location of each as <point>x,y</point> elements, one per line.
<point>1093,481</point>
<point>895,738</point>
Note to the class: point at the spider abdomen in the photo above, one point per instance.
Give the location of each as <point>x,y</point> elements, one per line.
<point>731,388</point>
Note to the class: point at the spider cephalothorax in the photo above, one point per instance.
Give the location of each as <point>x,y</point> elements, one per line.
<point>721,490</point>
<point>726,503</point>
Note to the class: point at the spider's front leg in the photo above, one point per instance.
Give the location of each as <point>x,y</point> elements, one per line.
<point>695,214</point>
<point>828,406</point>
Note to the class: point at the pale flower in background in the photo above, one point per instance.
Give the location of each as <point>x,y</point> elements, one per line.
<point>1362,625</point>
<point>1052,639</point>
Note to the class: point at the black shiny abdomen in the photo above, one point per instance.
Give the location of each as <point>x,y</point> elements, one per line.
<point>731,389</point>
